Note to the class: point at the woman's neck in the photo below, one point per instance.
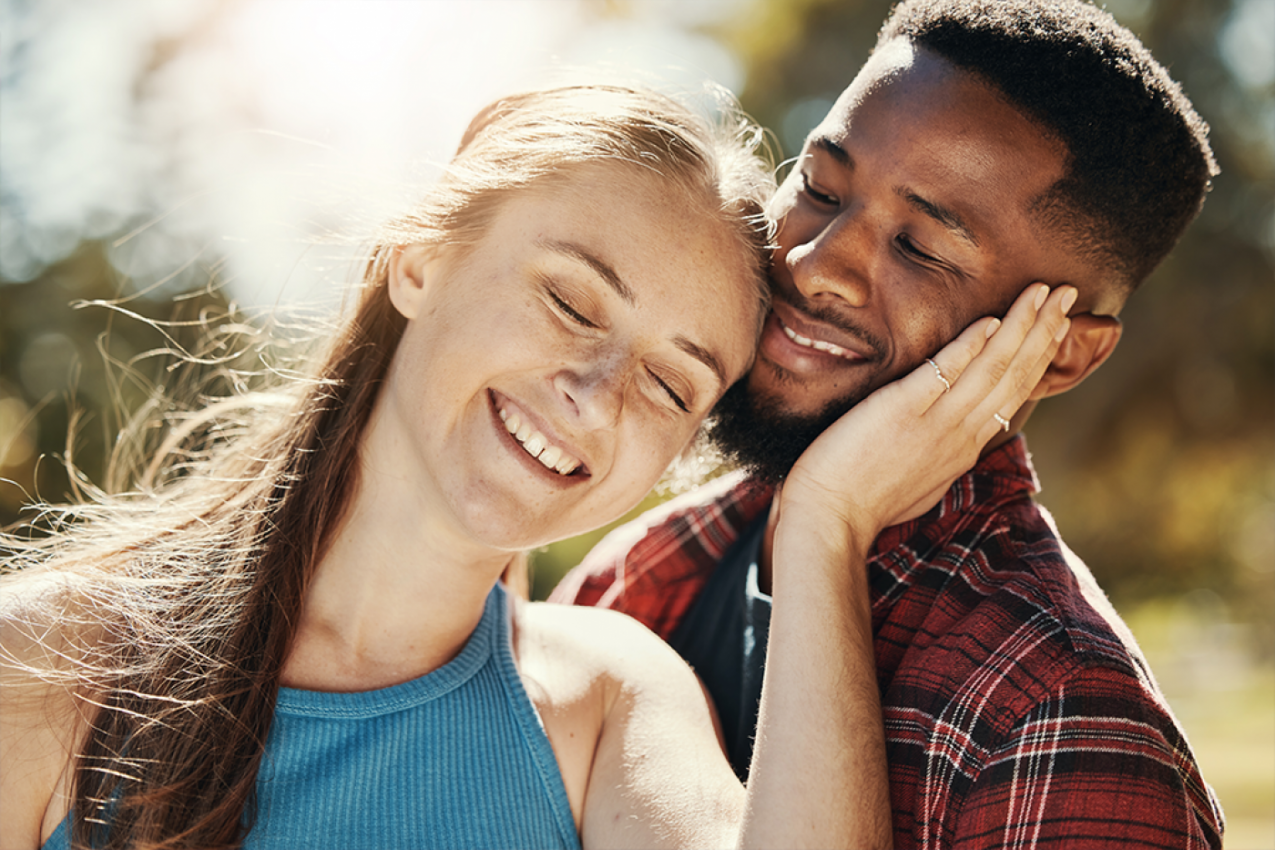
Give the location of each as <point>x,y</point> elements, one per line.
<point>396,595</point>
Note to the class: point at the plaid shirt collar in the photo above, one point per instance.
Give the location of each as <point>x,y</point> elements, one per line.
<point>903,551</point>
<point>1003,474</point>
<point>654,567</point>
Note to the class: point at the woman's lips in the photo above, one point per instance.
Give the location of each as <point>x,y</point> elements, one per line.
<point>534,442</point>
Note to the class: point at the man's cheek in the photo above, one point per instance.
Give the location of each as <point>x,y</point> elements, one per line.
<point>946,324</point>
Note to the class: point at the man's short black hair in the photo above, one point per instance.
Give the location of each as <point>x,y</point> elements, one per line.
<point>1138,157</point>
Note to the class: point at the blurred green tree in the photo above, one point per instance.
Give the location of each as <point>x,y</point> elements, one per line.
<point>80,353</point>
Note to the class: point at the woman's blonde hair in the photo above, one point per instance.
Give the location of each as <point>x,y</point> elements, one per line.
<point>188,580</point>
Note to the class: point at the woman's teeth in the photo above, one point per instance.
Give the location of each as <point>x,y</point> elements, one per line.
<point>537,445</point>
<point>816,344</point>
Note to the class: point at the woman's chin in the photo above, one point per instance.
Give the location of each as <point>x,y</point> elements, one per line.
<point>517,518</point>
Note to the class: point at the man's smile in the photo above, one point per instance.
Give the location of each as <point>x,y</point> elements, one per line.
<point>801,343</point>
<point>817,344</point>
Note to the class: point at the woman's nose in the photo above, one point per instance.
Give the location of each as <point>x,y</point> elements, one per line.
<point>593,391</point>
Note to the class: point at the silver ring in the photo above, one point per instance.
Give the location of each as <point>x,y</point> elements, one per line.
<point>1004,423</point>
<point>947,386</point>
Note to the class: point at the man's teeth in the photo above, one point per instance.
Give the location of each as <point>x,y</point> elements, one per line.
<point>537,445</point>
<point>816,344</point>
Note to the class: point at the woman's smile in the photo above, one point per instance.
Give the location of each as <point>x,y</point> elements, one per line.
<point>549,452</point>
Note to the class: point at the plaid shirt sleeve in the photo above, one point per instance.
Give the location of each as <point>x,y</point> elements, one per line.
<point>1096,766</point>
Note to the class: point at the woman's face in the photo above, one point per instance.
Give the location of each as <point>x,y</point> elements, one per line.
<point>548,375</point>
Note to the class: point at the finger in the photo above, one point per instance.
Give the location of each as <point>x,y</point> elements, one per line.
<point>936,376</point>
<point>988,369</point>
<point>1027,365</point>
<point>975,373</point>
<point>1017,346</point>
<point>986,361</point>
<point>1003,412</point>
<point>989,365</point>
<point>988,392</point>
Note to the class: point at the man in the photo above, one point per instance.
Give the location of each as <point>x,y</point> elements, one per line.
<point>984,145</point>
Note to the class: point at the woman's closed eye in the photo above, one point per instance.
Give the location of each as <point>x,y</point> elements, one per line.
<point>569,311</point>
<point>668,390</point>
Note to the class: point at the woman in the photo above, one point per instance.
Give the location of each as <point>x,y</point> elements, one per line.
<point>298,638</point>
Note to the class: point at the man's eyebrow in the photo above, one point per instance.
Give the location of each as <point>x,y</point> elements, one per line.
<point>603,270</point>
<point>832,149</point>
<point>943,215</point>
<point>703,355</point>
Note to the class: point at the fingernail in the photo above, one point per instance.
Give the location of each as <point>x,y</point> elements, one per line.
<point>992,327</point>
<point>1041,295</point>
<point>1062,331</point>
<point>1069,298</point>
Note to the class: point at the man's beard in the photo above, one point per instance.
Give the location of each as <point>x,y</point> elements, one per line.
<point>758,435</point>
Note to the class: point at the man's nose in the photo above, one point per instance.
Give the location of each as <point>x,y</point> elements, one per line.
<point>593,391</point>
<point>836,261</point>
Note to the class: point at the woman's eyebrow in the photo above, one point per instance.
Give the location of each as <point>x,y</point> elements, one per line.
<point>603,270</point>
<point>704,356</point>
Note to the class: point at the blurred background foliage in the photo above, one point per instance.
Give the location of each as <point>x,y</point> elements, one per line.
<point>1160,469</point>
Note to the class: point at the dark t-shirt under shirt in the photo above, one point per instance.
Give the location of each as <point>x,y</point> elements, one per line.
<point>724,638</point>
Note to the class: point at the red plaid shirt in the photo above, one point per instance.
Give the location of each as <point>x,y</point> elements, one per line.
<point>1016,714</point>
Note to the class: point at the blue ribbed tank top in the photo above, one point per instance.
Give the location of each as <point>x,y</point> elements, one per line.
<point>455,759</point>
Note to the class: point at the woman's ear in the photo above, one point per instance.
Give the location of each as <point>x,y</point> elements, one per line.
<point>407,278</point>
<point>1089,342</point>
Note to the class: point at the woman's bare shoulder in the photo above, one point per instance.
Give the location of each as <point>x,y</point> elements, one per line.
<point>600,643</point>
<point>653,766</point>
<point>592,673</point>
<point>42,717</point>
<point>573,657</point>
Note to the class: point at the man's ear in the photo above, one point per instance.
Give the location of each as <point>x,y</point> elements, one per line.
<point>408,277</point>
<point>1089,342</point>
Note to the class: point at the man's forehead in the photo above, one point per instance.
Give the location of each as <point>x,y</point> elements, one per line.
<point>955,130</point>
<point>888,63</point>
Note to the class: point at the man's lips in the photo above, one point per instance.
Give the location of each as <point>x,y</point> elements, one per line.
<point>813,338</point>
<point>817,344</point>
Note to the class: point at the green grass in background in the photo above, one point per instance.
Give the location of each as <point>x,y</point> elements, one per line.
<point>1222,689</point>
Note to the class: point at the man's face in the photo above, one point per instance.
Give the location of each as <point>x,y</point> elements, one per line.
<point>906,218</point>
